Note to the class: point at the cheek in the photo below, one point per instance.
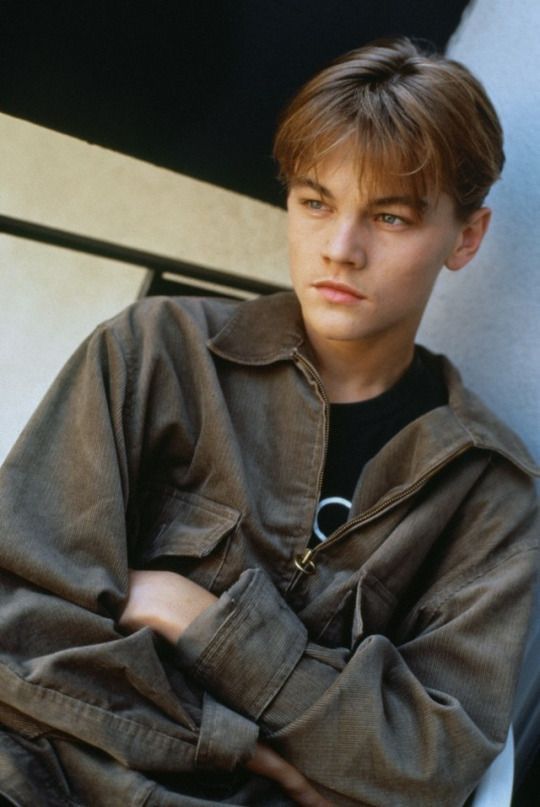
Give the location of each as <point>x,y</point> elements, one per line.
<point>301,252</point>
<point>296,264</point>
<point>407,282</point>
<point>293,257</point>
<point>425,265</point>
<point>293,242</point>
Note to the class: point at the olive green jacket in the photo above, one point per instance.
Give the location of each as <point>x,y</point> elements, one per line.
<point>191,435</point>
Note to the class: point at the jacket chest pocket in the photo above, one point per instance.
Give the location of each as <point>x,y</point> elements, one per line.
<point>188,534</point>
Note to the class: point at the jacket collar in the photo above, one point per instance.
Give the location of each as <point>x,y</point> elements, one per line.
<point>270,329</point>
<point>261,331</point>
<point>486,430</point>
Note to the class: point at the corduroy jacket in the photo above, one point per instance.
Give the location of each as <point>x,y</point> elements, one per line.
<point>190,435</point>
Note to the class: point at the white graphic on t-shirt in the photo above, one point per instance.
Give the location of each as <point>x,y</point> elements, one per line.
<point>325,503</point>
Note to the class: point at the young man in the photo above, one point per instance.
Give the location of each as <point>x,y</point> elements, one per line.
<point>331,542</point>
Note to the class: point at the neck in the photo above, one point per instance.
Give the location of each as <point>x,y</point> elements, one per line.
<point>356,372</point>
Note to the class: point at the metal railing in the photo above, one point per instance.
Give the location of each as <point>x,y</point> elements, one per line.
<point>159,264</point>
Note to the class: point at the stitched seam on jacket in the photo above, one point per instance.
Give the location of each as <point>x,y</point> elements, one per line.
<point>230,626</point>
<point>59,697</point>
<point>433,605</point>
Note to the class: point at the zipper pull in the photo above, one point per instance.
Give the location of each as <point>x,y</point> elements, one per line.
<point>304,563</point>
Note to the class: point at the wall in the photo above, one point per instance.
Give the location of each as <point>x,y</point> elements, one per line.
<point>487,317</point>
<point>51,297</point>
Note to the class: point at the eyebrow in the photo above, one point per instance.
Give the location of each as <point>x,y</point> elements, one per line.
<point>408,201</point>
<point>313,184</point>
<point>420,205</point>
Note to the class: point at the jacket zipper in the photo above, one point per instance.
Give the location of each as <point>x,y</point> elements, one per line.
<point>304,563</point>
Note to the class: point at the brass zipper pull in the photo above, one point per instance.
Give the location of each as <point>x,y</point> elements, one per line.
<point>304,563</point>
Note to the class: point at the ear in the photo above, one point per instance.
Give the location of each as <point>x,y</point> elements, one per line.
<point>469,239</point>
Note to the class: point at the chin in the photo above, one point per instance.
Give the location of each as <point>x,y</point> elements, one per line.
<point>339,326</point>
<point>343,336</point>
<point>336,333</point>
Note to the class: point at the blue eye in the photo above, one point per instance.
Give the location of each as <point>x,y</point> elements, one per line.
<point>390,218</point>
<point>313,204</point>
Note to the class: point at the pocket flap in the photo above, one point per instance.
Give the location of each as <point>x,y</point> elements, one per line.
<point>189,525</point>
<point>374,608</point>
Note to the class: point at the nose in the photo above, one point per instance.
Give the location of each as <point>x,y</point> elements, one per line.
<point>347,244</point>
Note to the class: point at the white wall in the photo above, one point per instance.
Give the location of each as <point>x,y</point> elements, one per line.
<point>487,317</point>
<point>51,297</point>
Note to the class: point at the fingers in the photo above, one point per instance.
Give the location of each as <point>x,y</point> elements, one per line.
<point>267,762</point>
<point>301,791</point>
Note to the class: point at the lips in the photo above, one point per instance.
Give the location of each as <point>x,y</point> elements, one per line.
<point>336,291</point>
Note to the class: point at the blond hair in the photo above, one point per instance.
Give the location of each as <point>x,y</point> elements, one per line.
<point>412,118</point>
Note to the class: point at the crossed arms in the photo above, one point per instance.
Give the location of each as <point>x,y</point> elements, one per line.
<point>168,603</point>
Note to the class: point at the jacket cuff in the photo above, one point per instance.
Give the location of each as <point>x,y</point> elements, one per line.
<point>226,739</point>
<point>244,647</point>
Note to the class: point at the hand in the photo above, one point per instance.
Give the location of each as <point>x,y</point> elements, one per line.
<point>164,601</point>
<point>267,762</point>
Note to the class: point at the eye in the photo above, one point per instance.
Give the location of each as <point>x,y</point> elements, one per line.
<point>391,219</point>
<point>316,205</point>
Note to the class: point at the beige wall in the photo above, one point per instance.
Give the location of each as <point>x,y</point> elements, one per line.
<point>51,297</point>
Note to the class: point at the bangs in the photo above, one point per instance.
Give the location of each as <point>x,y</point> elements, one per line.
<point>391,139</point>
<point>381,167</point>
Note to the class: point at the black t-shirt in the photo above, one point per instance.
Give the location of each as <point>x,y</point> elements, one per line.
<point>359,430</point>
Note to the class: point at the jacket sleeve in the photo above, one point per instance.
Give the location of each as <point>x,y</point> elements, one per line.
<point>414,721</point>
<point>64,498</point>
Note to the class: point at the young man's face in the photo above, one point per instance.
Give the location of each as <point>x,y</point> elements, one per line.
<point>363,267</point>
